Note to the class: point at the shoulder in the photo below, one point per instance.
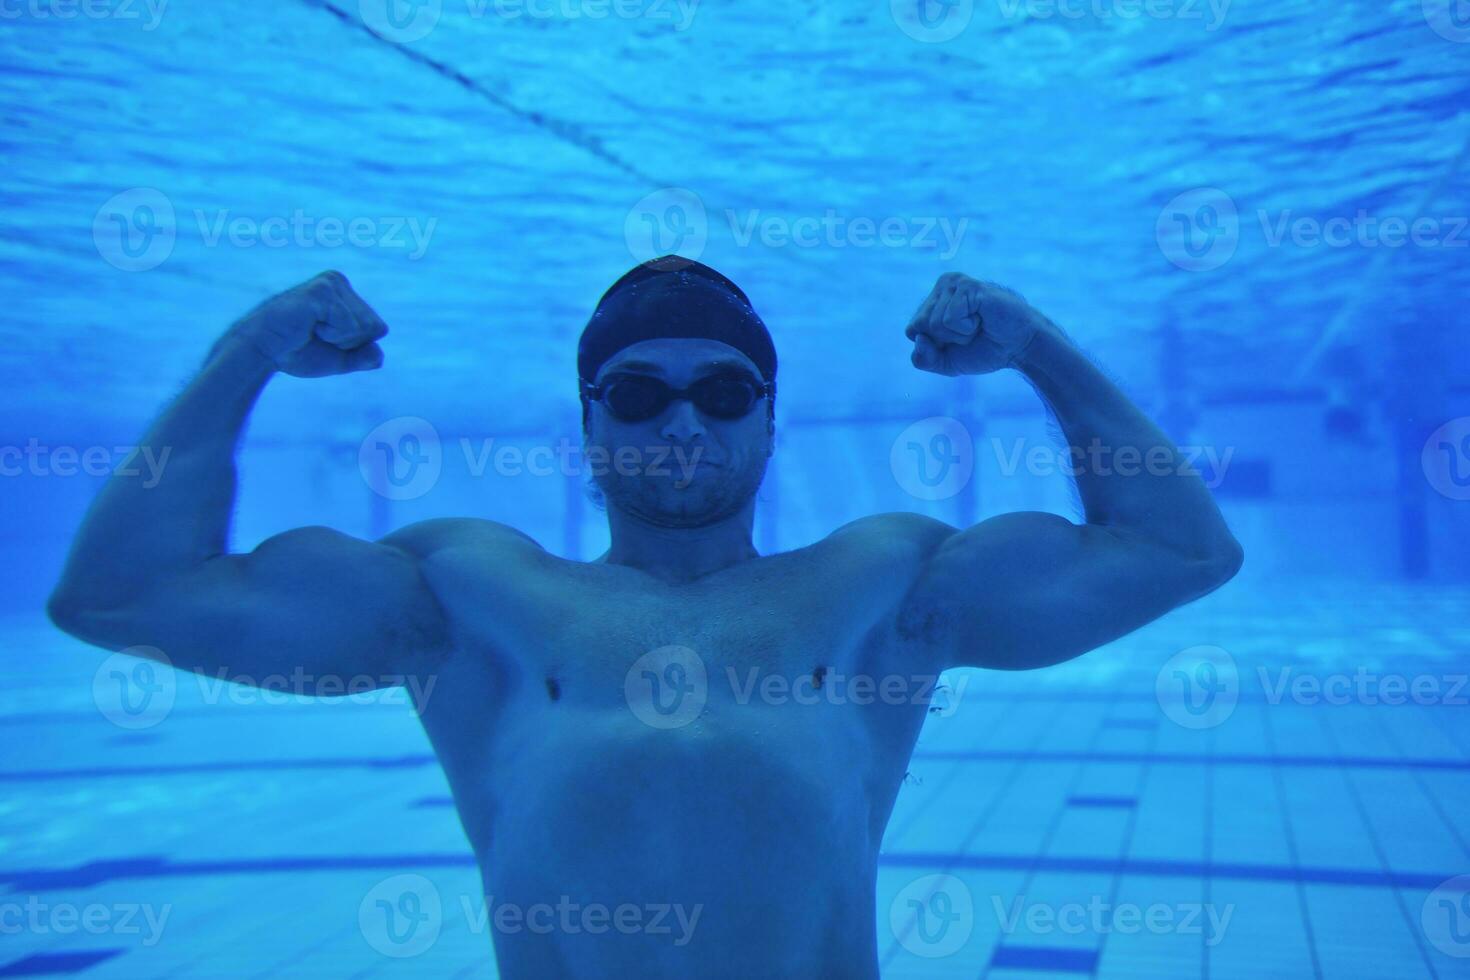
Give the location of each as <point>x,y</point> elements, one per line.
<point>912,533</point>
<point>425,539</point>
<point>892,553</point>
<point>894,550</point>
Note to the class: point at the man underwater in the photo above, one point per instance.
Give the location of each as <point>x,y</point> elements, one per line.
<point>602,724</point>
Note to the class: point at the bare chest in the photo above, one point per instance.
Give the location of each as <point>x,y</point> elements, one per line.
<point>583,697</point>
<point>590,634</point>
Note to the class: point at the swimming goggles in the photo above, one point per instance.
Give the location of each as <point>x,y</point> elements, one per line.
<point>639,397</point>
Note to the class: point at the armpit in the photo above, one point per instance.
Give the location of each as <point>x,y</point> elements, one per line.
<point>922,623</point>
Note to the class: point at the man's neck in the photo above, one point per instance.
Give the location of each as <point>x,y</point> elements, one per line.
<point>679,554</point>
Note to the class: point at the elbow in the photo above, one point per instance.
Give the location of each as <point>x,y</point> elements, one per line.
<point>83,620</point>
<point>1232,557</point>
<point>71,611</point>
<point>1223,563</point>
<point>63,611</point>
<point>1203,570</point>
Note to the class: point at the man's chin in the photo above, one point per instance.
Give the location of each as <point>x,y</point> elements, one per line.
<point>686,508</point>
<point>683,504</point>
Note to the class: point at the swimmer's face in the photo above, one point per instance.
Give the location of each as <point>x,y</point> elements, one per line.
<point>681,467</point>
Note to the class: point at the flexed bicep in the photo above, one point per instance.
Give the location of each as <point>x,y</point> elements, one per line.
<point>1032,589</point>
<point>313,609</point>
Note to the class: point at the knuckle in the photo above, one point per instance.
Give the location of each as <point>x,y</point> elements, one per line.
<point>330,283</point>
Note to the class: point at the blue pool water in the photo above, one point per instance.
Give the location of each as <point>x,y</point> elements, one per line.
<point>1254,216</point>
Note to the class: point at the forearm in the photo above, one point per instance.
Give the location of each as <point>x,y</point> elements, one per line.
<point>165,512</point>
<point>1128,472</point>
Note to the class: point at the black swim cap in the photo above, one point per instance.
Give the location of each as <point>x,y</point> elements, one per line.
<point>672,296</point>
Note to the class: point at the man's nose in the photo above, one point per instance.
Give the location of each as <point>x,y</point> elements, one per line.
<point>683,421</point>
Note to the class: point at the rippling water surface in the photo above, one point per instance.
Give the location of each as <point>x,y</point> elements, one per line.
<point>482,171</point>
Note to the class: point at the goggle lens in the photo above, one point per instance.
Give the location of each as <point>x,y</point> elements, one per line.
<point>639,397</point>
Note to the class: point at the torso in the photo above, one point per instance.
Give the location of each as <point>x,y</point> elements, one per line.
<point>759,813</point>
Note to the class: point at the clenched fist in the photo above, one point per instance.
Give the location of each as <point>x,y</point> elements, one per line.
<point>966,326</point>
<point>318,328</point>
